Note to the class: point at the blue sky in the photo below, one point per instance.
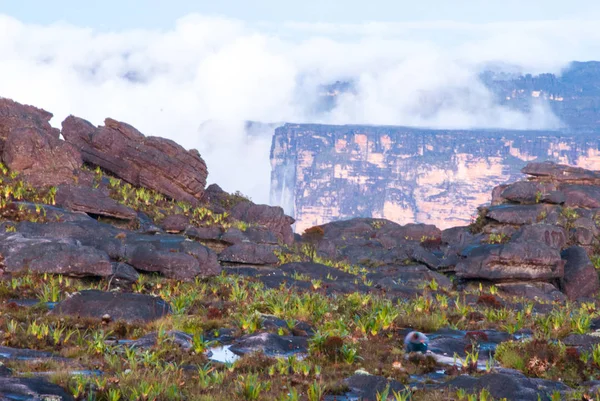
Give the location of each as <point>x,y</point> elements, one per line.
<point>161,14</point>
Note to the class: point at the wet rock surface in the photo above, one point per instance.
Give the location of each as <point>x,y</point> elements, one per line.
<point>270,344</point>
<point>31,389</point>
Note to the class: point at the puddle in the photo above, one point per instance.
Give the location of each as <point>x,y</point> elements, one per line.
<point>222,354</point>
<point>28,303</point>
<point>450,361</point>
<point>72,373</point>
<point>343,397</point>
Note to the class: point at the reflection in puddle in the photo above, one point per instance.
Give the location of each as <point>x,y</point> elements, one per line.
<point>222,354</point>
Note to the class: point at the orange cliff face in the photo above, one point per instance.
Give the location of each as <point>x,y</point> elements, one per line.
<point>323,173</point>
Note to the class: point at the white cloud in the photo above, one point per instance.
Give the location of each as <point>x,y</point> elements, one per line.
<point>200,81</point>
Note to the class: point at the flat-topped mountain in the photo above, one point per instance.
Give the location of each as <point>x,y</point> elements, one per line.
<point>322,173</point>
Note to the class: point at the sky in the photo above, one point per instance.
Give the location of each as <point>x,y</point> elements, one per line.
<point>127,14</point>
<point>196,71</point>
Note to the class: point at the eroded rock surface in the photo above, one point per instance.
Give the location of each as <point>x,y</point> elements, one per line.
<point>156,163</point>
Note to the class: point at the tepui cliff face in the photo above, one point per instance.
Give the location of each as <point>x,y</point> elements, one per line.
<point>322,173</point>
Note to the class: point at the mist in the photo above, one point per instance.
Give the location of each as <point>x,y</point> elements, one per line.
<point>199,82</point>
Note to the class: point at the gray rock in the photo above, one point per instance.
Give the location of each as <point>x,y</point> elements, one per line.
<point>120,306</point>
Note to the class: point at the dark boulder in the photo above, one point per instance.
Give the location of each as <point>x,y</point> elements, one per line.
<point>524,192</point>
<point>562,173</point>
<point>535,291</point>
<point>271,217</point>
<point>151,162</point>
<point>128,307</point>
<point>366,387</point>
<point>415,276</point>
<point>172,256</point>
<point>580,278</point>
<point>93,201</point>
<point>316,271</point>
<point>509,384</point>
<point>124,273</point>
<point>551,235</point>
<point>175,223</point>
<point>62,256</point>
<point>250,253</point>
<point>31,389</point>
<point>259,235</point>
<point>519,214</point>
<point>512,261</point>
<point>587,196</point>
<point>270,344</point>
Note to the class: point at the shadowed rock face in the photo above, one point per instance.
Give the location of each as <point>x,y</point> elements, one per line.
<point>156,163</point>
<point>323,173</point>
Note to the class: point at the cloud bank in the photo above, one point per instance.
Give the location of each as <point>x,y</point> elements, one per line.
<point>200,81</point>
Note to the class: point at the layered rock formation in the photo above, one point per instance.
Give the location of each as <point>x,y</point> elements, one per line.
<point>156,163</point>
<point>323,173</point>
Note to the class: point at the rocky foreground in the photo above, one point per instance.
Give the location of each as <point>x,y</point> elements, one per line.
<point>125,278</point>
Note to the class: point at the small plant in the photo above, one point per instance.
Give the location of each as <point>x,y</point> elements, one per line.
<point>315,391</point>
<point>250,387</point>
<point>497,238</point>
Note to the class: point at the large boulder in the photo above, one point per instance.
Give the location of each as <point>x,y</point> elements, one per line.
<point>519,214</point>
<point>540,291</point>
<point>562,173</point>
<point>173,256</point>
<point>92,201</point>
<point>272,217</point>
<point>119,306</point>
<point>512,261</point>
<point>587,196</point>
<point>63,256</point>
<point>30,146</point>
<point>32,389</point>
<point>581,278</point>
<point>367,387</point>
<point>14,116</point>
<point>509,384</point>
<point>156,163</point>
<point>250,253</point>
<point>551,235</point>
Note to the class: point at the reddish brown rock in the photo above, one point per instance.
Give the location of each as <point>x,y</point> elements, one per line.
<point>271,217</point>
<point>175,223</point>
<point>519,214</point>
<point>581,278</point>
<point>551,235</point>
<point>512,261</point>
<point>93,201</point>
<point>30,146</point>
<point>562,173</point>
<point>14,116</point>
<point>156,163</point>
<point>250,253</point>
<point>587,196</point>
